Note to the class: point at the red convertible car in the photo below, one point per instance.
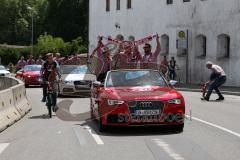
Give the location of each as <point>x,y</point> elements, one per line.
<point>30,75</point>
<point>136,97</point>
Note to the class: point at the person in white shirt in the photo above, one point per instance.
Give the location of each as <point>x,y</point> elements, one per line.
<point>218,78</point>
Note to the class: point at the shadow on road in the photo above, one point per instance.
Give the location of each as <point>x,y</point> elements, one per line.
<point>29,87</point>
<point>75,96</point>
<point>44,116</point>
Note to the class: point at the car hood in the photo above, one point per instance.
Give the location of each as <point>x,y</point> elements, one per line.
<point>78,77</point>
<point>4,72</point>
<point>32,73</point>
<point>141,93</point>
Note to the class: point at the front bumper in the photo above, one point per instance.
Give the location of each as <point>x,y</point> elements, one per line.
<point>73,90</point>
<point>123,115</point>
<point>33,80</point>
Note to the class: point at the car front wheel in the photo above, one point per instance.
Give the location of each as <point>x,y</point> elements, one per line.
<point>179,127</point>
<point>102,127</point>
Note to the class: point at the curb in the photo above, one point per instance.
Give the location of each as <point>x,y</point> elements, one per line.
<point>199,90</point>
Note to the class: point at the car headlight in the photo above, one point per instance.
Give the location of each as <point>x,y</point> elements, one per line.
<point>114,102</point>
<point>68,82</point>
<point>39,79</point>
<point>175,101</point>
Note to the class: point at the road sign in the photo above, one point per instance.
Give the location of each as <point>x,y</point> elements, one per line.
<point>182,37</point>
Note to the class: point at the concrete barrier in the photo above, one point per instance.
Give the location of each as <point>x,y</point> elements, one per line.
<point>13,101</point>
<point>20,99</point>
<point>8,112</point>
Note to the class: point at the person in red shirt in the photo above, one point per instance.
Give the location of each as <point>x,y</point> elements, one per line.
<point>30,61</point>
<point>149,56</point>
<point>39,61</point>
<point>103,60</point>
<point>164,66</point>
<point>21,63</point>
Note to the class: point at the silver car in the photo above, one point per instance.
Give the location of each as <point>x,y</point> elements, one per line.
<point>77,80</point>
<point>4,71</point>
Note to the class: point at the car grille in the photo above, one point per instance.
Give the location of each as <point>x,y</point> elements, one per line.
<point>82,82</point>
<point>145,109</point>
<point>68,90</point>
<point>82,85</point>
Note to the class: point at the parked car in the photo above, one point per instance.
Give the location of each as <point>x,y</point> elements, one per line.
<point>136,97</point>
<point>4,71</point>
<point>30,75</point>
<point>77,80</point>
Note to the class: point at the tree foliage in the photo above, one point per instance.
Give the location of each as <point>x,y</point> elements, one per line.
<point>67,19</point>
<point>48,44</point>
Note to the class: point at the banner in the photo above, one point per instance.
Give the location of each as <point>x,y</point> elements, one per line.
<point>130,43</point>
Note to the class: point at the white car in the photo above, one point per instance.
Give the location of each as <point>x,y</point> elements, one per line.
<point>77,80</point>
<point>4,71</point>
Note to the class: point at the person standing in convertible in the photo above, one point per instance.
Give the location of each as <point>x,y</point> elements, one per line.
<point>218,78</point>
<point>149,56</point>
<point>104,60</point>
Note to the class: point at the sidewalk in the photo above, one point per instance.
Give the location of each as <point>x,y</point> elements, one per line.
<point>198,88</point>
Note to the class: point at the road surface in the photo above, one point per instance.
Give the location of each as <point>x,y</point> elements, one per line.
<point>213,133</point>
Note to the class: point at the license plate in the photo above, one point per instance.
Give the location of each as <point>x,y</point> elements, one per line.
<point>147,112</point>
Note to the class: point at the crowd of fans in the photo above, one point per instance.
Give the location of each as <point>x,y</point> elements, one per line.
<point>61,60</point>
<point>103,59</point>
<point>129,57</point>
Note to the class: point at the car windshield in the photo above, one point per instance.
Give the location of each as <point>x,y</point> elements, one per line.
<point>74,70</point>
<point>135,78</point>
<point>32,68</point>
<point>2,68</point>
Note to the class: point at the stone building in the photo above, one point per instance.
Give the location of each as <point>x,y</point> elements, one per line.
<point>212,26</point>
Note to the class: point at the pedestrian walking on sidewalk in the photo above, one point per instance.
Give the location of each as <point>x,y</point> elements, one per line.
<point>216,81</point>
<point>172,69</point>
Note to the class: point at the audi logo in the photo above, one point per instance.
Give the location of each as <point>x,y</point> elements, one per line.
<point>146,104</point>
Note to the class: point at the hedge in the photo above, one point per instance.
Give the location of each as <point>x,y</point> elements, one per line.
<point>45,45</point>
<point>12,55</point>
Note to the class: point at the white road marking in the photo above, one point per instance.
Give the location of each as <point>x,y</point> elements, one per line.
<point>3,146</point>
<point>166,147</point>
<point>216,126</point>
<point>96,137</point>
<point>82,141</point>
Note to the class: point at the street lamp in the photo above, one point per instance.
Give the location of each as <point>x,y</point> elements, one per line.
<point>32,10</point>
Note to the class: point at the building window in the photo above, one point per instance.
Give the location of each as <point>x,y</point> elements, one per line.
<point>201,46</point>
<point>131,38</point>
<point>223,46</point>
<point>186,1</point>
<point>164,44</point>
<point>169,1</point>
<point>120,37</point>
<point>107,5</point>
<point>129,4</point>
<point>118,4</point>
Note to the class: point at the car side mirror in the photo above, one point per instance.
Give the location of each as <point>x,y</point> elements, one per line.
<point>173,82</point>
<point>97,84</point>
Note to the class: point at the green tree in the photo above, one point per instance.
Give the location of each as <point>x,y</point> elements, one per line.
<point>15,20</point>
<point>67,19</point>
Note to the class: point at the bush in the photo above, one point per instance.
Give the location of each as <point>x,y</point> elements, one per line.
<point>48,44</point>
<point>12,55</point>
